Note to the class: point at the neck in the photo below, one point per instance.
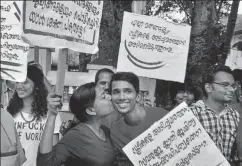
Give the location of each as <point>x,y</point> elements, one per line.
<point>94,124</point>
<point>27,105</point>
<point>214,105</point>
<point>136,116</point>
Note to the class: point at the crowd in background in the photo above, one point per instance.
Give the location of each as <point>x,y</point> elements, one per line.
<point>108,115</point>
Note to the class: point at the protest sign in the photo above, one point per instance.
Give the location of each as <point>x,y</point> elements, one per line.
<point>13,50</point>
<point>178,139</point>
<point>154,48</point>
<point>62,24</point>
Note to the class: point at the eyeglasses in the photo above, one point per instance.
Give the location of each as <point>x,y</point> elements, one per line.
<point>226,85</point>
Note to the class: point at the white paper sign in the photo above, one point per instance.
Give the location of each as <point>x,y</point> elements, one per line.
<point>154,48</point>
<point>13,50</point>
<point>178,139</point>
<point>62,24</point>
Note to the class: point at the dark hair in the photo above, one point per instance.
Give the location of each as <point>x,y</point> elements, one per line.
<point>104,70</point>
<point>188,86</point>
<point>81,99</point>
<point>127,76</point>
<point>39,105</point>
<point>208,75</point>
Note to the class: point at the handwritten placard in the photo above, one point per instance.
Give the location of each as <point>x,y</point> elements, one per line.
<point>13,50</point>
<point>62,24</point>
<point>178,139</point>
<point>154,48</point>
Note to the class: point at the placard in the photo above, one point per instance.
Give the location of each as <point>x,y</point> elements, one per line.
<point>62,24</point>
<point>152,47</point>
<point>13,50</point>
<point>178,139</point>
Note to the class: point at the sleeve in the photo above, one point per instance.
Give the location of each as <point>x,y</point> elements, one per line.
<point>70,145</point>
<point>239,139</point>
<point>57,124</point>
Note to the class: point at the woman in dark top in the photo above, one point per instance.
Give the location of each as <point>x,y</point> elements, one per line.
<point>86,144</point>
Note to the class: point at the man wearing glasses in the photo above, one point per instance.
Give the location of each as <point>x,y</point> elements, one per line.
<point>218,119</point>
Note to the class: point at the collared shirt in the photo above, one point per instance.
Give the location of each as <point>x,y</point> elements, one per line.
<point>221,128</point>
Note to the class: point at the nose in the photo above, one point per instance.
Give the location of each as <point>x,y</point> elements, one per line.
<point>19,84</point>
<point>122,95</point>
<point>106,86</point>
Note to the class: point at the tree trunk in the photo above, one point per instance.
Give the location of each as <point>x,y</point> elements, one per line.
<point>202,37</point>
<point>230,31</point>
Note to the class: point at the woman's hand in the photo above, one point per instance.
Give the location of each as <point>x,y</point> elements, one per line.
<point>54,103</point>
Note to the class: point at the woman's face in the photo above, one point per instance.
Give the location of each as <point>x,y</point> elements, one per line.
<point>25,89</point>
<point>102,103</point>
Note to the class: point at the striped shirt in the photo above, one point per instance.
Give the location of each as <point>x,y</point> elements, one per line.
<point>221,128</point>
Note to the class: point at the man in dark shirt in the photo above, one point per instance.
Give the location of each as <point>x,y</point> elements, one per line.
<point>135,119</point>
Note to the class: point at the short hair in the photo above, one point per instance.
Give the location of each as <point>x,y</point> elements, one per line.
<point>126,76</point>
<point>208,75</point>
<point>103,70</point>
<point>81,99</point>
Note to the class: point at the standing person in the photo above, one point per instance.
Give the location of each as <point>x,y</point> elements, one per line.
<point>12,153</point>
<point>86,144</point>
<point>28,106</point>
<point>134,120</point>
<point>103,78</point>
<point>216,116</point>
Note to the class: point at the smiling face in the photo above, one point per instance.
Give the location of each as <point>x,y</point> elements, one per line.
<point>219,92</point>
<point>124,96</point>
<point>25,89</point>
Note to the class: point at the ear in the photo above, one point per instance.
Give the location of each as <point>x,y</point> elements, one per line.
<point>90,111</point>
<point>208,87</point>
<point>138,97</point>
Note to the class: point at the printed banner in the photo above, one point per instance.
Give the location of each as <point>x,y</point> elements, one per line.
<point>178,139</point>
<point>62,24</point>
<point>13,50</point>
<point>154,48</point>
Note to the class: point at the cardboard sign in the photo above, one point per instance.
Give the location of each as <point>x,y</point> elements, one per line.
<point>62,24</point>
<point>178,139</point>
<point>154,48</point>
<point>13,50</point>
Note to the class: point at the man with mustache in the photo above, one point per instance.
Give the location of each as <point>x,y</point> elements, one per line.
<point>214,113</point>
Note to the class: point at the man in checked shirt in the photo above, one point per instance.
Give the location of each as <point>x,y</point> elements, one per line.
<point>218,119</point>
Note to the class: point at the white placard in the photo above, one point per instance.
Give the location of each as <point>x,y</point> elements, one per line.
<point>62,24</point>
<point>154,48</point>
<point>13,50</point>
<point>178,139</point>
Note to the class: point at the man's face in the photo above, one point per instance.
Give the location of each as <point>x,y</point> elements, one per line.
<point>221,89</point>
<point>124,96</point>
<point>104,80</point>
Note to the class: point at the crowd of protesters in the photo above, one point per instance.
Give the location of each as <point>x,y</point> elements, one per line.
<point>107,116</point>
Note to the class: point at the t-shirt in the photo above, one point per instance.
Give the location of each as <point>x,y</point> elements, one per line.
<point>12,153</point>
<point>122,134</point>
<point>30,134</point>
<point>80,146</point>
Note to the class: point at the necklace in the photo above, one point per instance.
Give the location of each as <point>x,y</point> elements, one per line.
<point>28,121</point>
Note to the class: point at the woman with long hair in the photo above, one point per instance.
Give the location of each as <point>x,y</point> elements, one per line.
<point>28,106</point>
<point>86,144</point>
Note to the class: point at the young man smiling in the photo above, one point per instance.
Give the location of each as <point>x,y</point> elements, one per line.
<point>218,119</point>
<point>135,120</point>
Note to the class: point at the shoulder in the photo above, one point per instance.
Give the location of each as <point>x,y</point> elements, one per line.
<point>197,107</point>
